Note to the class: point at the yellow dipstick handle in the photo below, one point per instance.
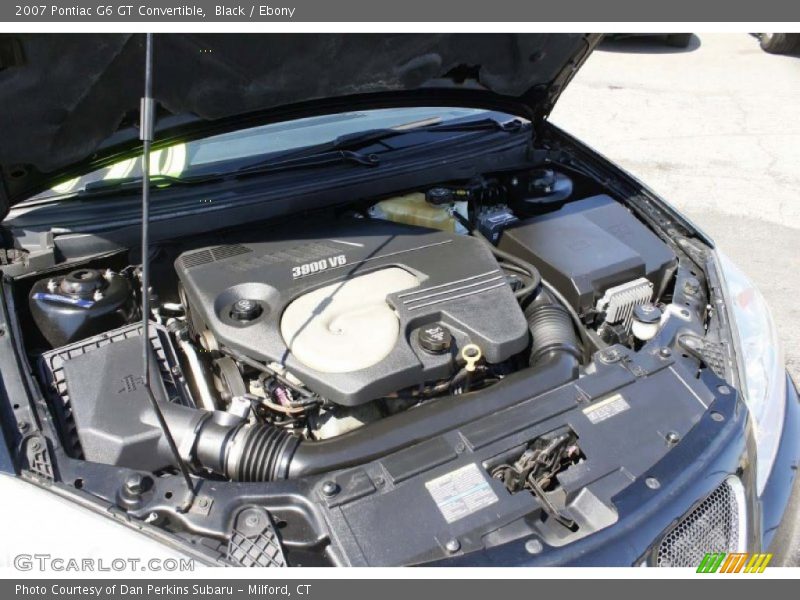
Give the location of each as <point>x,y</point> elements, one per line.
<point>471,354</point>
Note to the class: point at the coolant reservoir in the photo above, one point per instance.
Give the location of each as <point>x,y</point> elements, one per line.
<point>413,209</point>
<point>646,321</point>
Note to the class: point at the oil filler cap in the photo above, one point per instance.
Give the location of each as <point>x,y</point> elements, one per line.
<point>435,338</point>
<point>246,310</point>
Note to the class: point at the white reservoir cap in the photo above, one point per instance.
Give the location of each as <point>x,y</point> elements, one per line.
<point>646,321</point>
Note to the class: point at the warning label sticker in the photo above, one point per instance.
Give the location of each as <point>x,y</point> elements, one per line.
<point>605,409</point>
<point>461,492</point>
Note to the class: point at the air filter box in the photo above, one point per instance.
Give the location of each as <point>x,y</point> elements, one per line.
<point>589,246</point>
<point>100,401</point>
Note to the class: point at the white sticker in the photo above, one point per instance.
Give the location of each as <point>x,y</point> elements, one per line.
<point>461,492</point>
<point>605,409</point>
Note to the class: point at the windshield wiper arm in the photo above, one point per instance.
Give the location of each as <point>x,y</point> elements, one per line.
<point>376,135</point>
<point>345,143</point>
<point>478,125</point>
<point>338,151</point>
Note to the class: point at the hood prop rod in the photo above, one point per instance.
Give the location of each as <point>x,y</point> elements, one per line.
<point>146,129</point>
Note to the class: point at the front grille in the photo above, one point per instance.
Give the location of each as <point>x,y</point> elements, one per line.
<point>716,525</point>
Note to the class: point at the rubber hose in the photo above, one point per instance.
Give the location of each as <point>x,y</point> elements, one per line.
<point>551,329</point>
<point>531,271</point>
<point>263,452</point>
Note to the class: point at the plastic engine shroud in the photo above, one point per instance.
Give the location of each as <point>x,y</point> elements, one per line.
<point>459,285</point>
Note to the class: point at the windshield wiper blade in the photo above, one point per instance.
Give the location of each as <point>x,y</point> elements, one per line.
<point>311,160</point>
<point>135,183</point>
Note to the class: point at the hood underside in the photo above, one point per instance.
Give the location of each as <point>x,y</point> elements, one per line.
<point>71,101</point>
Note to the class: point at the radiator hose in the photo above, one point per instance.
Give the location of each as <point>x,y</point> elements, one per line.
<point>261,452</point>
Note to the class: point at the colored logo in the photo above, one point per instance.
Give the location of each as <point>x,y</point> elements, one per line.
<point>722,562</point>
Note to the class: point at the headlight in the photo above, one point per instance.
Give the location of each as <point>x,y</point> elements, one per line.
<point>761,367</point>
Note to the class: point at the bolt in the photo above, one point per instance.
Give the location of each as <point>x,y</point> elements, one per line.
<point>691,342</point>
<point>453,545</point>
<point>330,488</point>
<point>202,502</point>
<point>251,520</point>
<point>460,448</point>
<point>533,546</point>
<point>610,356</point>
<point>380,481</point>
<point>23,426</point>
<point>134,484</point>
<point>723,389</point>
<point>691,286</point>
<point>665,352</point>
<point>673,438</point>
<point>36,445</point>
<point>652,483</point>
<point>715,416</point>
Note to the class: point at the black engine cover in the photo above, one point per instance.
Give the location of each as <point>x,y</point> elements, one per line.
<point>460,287</point>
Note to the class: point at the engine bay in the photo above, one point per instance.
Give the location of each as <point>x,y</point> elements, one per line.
<point>332,324</point>
<point>382,332</point>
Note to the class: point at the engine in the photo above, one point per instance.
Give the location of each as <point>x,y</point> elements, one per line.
<point>357,310</point>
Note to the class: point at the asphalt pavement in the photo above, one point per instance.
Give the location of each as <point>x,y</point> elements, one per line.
<point>715,130</point>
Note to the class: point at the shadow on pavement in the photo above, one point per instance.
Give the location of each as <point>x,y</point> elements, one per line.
<point>646,44</point>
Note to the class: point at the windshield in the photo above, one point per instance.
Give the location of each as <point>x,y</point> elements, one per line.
<point>195,156</point>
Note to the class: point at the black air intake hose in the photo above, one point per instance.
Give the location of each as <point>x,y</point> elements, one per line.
<point>263,452</point>
<point>551,328</point>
